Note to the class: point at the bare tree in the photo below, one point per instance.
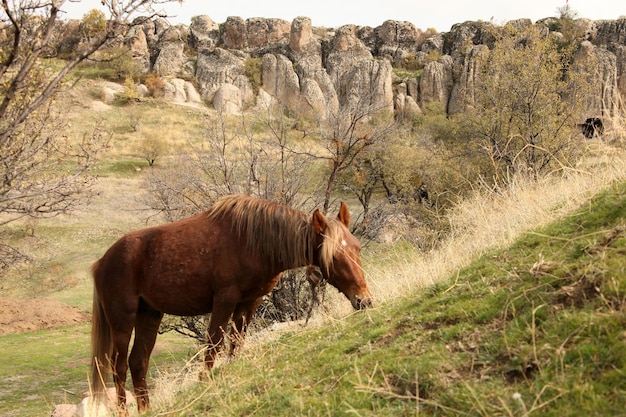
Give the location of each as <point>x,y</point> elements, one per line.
<point>248,154</point>
<point>348,132</point>
<point>43,172</point>
<point>32,144</point>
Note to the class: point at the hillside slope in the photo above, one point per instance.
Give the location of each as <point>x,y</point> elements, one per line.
<point>538,328</point>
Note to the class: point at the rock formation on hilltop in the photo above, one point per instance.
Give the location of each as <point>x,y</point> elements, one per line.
<point>315,69</point>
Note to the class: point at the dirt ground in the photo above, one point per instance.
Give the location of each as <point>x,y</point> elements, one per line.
<point>18,316</point>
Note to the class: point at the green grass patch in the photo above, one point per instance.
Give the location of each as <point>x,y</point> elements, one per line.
<point>44,368</point>
<point>405,74</point>
<point>121,168</point>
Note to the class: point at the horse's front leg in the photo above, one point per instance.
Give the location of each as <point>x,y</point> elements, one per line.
<point>224,303</point>
<point>241,319</point>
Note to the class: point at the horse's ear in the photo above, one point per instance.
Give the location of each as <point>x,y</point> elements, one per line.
<point>344,214</point>
<point>319,222</point>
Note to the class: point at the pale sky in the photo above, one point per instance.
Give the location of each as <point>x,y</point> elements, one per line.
<point>424,14</point>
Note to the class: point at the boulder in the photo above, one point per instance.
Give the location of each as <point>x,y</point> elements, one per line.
<point>169,60</point>
<point>262,33</point>
<point>465,72</point>
<point>280,80</point>
<point>142,90</point>
<point>610,35</point>
<point>228,99</point>
<point>301,38</point>
<point>174,90</point>
<point>217,67</point>
<point>136,41</point>
<point>468,33</point>
<point>64,410</point>
<point>396,39</point>
<point>234,33</point>
<point>203,33</point>
<point>405,106</point>
<point>109,90</point>
<point>265,101</point>
<point>88,408</point>
<point>435,82</point>
<point>434,43</point>
<point>356,75</point>
<point>192,94</point>
<point>601,65</point>
<point>608,32</point>
<point>254,33</point>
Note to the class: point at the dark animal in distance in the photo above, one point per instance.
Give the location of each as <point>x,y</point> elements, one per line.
<point>222,261</point>
<point>593,126</point>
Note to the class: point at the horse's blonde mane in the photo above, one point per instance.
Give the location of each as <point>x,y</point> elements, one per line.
<point>277,232</point>
<point>333,241</point>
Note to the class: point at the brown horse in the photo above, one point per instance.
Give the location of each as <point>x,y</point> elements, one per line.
<point>222,262</point>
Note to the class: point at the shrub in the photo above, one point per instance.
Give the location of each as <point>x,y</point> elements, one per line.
<point>130,94</point>
<point>151,148</point>
<point>526,101</point>
<point>252,70</point>
<point>155,85</point>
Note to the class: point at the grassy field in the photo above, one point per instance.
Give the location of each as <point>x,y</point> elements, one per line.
<point>502,318</point>
<point>48,367</point>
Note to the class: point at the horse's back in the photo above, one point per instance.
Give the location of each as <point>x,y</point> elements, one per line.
<point>175,267</point>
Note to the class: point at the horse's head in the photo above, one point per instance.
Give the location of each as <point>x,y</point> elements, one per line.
<point>338,256</point>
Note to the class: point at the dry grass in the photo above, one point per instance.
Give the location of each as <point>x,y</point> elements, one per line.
<point>493,219</point>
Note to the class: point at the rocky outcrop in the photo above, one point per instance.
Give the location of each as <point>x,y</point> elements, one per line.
<point>169,56</point>
<point>465,71</point>
<point>608,40</point>
<point>308,69</point>
<point>137,42</point>
<point>436,82</point>
<point>254,33</point>
<point>217,67</point>
<point>350,76</point>
<point>316,90</point>
<point>157,46</point>
<point>396,40</point>
<point>204,33</point>
<point>356,75</point>
<point>280,80</point>
<point>603,97</point>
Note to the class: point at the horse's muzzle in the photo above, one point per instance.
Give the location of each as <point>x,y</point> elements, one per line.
<point>360,303</point>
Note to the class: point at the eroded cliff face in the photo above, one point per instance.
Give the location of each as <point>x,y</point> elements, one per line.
<point>320,70</point>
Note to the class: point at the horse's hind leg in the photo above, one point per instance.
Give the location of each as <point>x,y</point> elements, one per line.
<point>146,328</point>
<point>121,329</point>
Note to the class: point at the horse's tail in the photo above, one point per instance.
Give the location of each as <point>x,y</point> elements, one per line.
<point>101,344</point>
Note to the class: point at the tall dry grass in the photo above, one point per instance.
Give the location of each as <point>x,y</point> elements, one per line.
<point>492,219</point>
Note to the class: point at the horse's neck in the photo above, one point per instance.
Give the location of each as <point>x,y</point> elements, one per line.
<point>306,258</point>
